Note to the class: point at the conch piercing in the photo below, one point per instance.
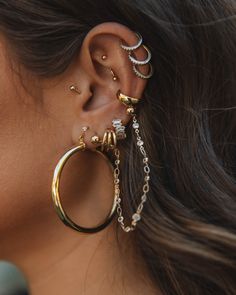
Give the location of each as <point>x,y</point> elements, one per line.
<point>75,89</point>
<point>131,102</point>
<point>80,147</point>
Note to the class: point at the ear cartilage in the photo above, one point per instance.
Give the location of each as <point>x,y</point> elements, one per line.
<point>114,77</point>
<point>75,89</point>
<point>119,128</point>
<point>135,62</point>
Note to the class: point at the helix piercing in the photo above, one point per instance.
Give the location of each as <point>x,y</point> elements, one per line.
<point>136,62</point>
<point>75,89</point>
<point>131,48</point>
<point>141,62</point>
<point>142,76</point>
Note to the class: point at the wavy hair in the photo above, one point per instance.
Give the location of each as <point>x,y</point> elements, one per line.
<point>187,236</point>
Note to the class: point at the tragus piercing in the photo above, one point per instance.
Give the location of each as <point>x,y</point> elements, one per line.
<point>75,89</point>
<point>104,57</point>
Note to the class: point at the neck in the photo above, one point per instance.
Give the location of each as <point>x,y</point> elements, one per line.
<point>62,261</point>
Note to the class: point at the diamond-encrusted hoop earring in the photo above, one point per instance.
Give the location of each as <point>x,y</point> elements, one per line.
<point>141,62</point>
<point>136,46</point>
<point>135,62</point>
<point>142,76</point>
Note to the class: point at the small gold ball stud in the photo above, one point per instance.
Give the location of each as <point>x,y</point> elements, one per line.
<point>75,89</point>
<point>130,111</point>
<point>96,139</point>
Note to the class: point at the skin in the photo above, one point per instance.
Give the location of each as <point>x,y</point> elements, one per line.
<point>40,120</point>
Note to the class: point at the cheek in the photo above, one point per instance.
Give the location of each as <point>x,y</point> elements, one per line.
<point>27,157</point>
<point>25,171</point>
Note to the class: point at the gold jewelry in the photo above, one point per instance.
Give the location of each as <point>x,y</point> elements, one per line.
<point>104,57</point>
<point>109,140</point>
<point>130,102</point>
<point>114,77</point>
<point>136,46</point>
<point>96,140</point>
<point>56,195</point>
<point>75,89</point>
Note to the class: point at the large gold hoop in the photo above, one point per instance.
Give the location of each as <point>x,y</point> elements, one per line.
<point>56,195</point>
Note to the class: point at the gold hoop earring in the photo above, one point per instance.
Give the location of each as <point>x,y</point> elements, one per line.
<point>56,194</point>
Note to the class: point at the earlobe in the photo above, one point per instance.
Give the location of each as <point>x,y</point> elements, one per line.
<point>109,61</point>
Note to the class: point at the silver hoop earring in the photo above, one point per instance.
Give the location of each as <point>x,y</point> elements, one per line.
<point>142,76</point>
<point>131,48</point>
<point>141,62</point>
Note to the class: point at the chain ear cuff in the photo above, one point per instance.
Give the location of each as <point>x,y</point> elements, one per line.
<point>131,102</point>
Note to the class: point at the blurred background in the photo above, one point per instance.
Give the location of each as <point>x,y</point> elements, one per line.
<point>12,280</point>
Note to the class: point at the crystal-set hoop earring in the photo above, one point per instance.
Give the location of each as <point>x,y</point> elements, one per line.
<point>80,147</point>
<point>136,62</point>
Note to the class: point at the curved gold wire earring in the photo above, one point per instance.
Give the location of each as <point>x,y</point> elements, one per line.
<point>56,194</point>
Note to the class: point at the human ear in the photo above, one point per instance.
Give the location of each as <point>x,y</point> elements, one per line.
<point>100,59</point>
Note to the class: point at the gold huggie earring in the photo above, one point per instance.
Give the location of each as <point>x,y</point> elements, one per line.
<point>130,103</point>
<point>81,146</point>
<point>109,140</point>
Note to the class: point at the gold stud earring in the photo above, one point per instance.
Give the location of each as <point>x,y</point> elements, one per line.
<point>114,77</point>
<point>104,57</point>
<point>96,140</point>
<point>75,89</point>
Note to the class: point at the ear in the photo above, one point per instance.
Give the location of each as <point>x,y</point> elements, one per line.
<point>100,59</point>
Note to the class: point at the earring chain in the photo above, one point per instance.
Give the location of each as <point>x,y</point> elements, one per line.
<point>137,215</point>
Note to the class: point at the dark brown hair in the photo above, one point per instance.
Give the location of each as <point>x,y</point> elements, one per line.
<point>187,235</point>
